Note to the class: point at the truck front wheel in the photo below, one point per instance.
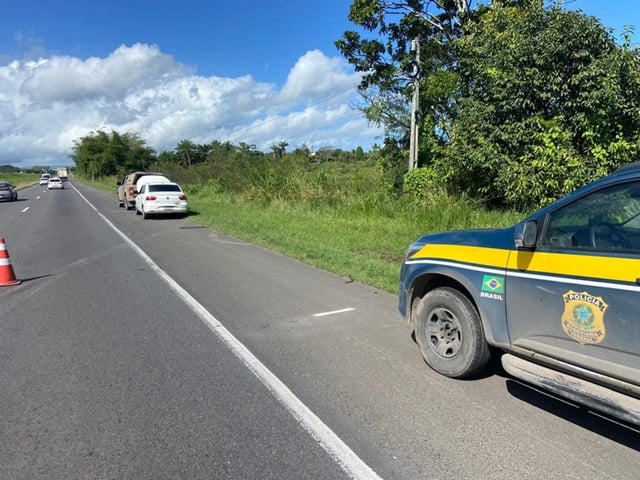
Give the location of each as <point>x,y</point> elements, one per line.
<point>449,333</point>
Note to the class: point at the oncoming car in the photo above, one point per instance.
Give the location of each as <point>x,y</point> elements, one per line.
<point>160,199</point>
<point>55,183</point>
<point>44,179</point>
<point>557,296</point>
<point>8,191</point>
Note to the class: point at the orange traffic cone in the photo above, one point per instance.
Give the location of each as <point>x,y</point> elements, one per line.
<point>7,277</point>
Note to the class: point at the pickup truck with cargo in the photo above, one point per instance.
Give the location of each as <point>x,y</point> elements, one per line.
<point>126,189</point>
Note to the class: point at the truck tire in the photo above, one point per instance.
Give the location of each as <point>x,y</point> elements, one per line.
<point>449,333</point>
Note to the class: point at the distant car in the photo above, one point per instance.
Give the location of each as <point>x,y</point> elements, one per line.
<point>55,183</point>
<point>44,179</point>
<point>160,199</point>
<point>8,192</point>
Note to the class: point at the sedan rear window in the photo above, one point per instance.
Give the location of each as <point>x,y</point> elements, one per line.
<point>164,188</point>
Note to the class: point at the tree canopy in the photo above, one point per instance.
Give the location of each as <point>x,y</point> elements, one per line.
<point>101,154</point>
<point>385,55</point>
<point>520,102</point>
<point>547,101</point>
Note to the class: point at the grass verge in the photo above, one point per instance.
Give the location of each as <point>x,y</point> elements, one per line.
<point>20,180</point>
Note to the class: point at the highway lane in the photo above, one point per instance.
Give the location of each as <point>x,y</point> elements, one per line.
<point>107,374</point>
<point>356,367</point>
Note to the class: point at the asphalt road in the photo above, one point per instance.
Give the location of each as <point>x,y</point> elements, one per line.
<point>159,349</point>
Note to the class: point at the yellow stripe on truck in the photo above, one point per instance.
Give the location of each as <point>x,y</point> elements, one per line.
<point>600,267</point>
<point>575,265</point>
<point>487,257</point>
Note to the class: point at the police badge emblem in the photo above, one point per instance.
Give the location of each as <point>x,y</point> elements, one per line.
<point>583,317</point>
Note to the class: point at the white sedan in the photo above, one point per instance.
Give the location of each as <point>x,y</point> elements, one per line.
<point>55,183</point>
<point>161,198</point>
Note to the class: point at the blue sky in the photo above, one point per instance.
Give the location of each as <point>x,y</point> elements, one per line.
<point>615,15</point>
<point>226,38</point>
<point>254,71</point>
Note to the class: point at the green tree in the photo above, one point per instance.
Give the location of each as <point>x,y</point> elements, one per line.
<point>185,151</point>
<point>385,57</point>
<point>100,154</point>
<point>548,101</point>
<point>167,157</point>
<point>137,154</point>
<point>279,149</point>
<point>91,155</point>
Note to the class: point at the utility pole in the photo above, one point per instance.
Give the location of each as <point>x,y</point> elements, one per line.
<point>415,72</point>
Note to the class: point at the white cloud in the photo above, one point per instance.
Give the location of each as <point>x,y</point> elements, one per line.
<point>47,104</point>
<point>315,76</point>
<point>69,79</point>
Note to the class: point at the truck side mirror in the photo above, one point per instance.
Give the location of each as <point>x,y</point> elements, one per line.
<point>527,234</point>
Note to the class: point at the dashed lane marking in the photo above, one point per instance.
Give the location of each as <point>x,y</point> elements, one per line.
<point>334,312</point>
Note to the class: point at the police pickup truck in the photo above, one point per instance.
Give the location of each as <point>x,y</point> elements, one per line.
<point>557,296</point>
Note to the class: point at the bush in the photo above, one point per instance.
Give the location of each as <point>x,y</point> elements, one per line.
<point>423,184</point>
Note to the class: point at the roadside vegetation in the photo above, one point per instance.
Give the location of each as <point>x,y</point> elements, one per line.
<point>361,238</point>
<point>520,102</point>
<point>337,216</point>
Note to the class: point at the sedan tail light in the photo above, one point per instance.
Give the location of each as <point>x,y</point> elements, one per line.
<point>182,197</point>
<point>151,197</point>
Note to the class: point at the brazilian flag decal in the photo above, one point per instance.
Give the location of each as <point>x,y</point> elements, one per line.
<point>493,284</point>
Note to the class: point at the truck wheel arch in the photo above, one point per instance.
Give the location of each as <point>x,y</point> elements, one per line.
<point>425,283</point>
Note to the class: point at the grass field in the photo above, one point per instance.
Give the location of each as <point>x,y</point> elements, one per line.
<point>20,180</point>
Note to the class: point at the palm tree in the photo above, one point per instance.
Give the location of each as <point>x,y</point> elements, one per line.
<point>279,149</point>
<point>185,151</point>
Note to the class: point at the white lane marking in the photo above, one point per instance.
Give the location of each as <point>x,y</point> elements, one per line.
<point>335,312</point>
<point>24,209</point>
<point>339,451</point>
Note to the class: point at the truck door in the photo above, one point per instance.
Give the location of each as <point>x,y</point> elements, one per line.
<point>576,297</point>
